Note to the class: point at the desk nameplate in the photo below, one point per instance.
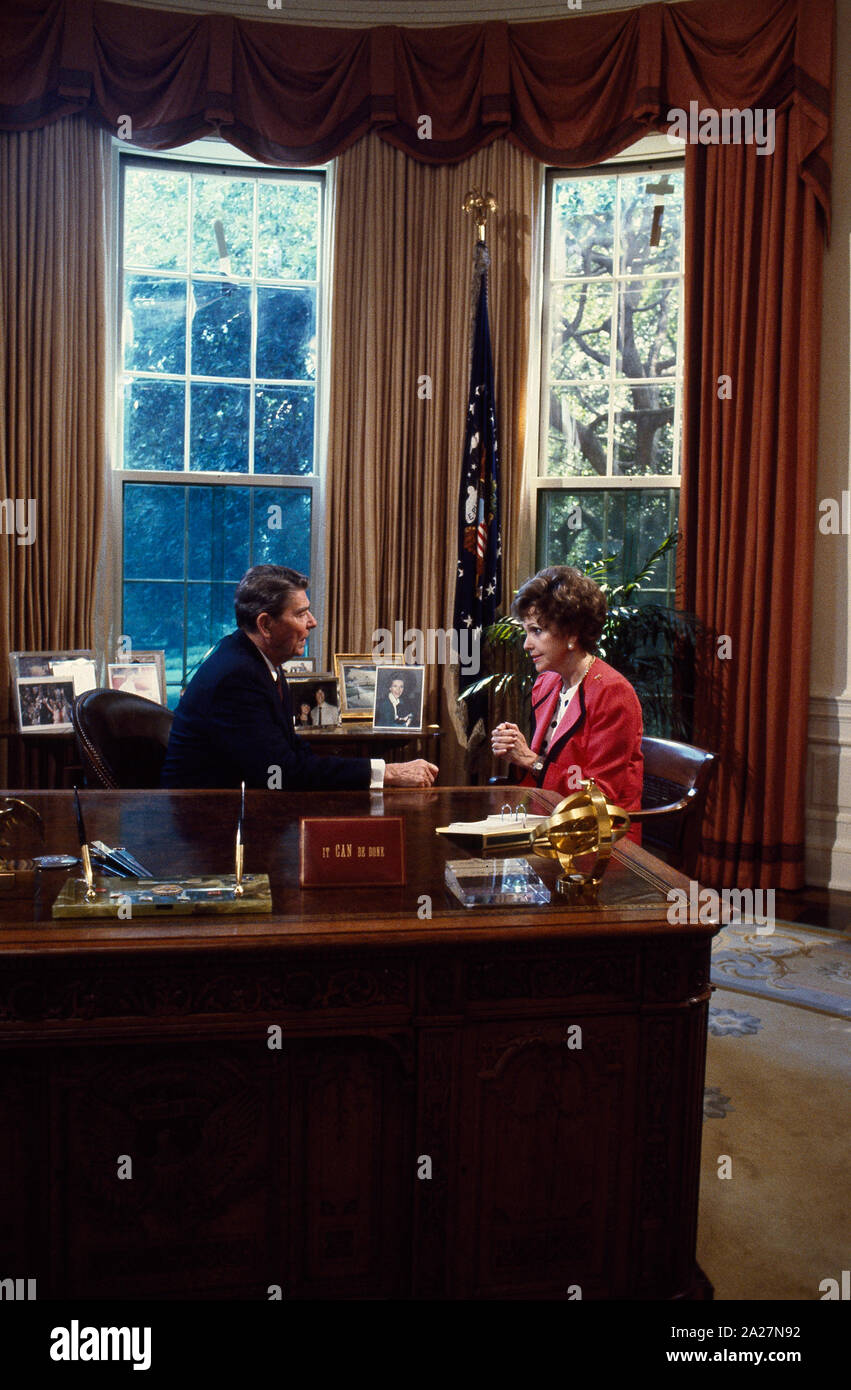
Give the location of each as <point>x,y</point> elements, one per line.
<point>351,851</point>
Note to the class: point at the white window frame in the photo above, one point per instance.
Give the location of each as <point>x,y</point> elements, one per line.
<point>654,154</point>
<point>227,158</point>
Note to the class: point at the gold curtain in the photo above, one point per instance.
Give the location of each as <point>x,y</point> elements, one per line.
<point>403,259</point>
<point>52,395</point>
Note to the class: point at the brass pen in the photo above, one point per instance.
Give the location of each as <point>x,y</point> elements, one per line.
<point>240,847</point>
<point>85,856</point>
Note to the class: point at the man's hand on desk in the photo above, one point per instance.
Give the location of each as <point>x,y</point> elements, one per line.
<point>418,773</point>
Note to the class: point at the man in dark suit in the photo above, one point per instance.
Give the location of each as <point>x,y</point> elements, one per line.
<point>234,722</point>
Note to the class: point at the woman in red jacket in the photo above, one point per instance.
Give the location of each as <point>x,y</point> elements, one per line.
<point>587,716</point>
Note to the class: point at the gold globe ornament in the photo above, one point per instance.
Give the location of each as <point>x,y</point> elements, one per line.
<point>583,823</point>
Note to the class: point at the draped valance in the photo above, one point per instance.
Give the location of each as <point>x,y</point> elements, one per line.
<point>571,91</point>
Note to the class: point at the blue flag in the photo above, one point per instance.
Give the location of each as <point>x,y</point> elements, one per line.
<point>478,583</point>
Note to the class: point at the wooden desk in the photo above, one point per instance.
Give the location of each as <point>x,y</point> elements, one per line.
<point>425,1129</point>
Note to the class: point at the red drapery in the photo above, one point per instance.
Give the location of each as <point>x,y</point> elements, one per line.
<point>569,92</point>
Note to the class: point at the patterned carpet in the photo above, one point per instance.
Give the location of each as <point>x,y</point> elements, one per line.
<point>774,1216</point>
<point>797,965</point>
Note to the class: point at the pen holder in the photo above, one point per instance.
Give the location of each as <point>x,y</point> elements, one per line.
<point>583,823</point>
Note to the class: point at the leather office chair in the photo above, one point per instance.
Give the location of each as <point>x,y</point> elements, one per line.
<point>677,778</point>
<point>122,738</point>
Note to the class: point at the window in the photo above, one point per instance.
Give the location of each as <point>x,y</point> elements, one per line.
<point>221,360</point>
<point>608,471</point>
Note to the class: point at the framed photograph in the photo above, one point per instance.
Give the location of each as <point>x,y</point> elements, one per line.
<point>75,670</point>
<point>44,704</point>
<point>356,679</point>
<point>299,665</point>
<point>316,702</point>
<point>138,658</point>
<point>136,678</point>
<point>399,694</point>
<point>76,666</point>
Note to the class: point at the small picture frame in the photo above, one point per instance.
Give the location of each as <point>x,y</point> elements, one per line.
<point>44,704</point>
<point>356,679</point>
<point>299,665</point>
<point>136,678</point>
<point>154,657</point>
<point>76,668</point>
<point>399,692</point>
<point>316,701</point>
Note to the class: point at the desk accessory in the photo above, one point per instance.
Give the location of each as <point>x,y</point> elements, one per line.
<point>583,823</point>
<point>240,847</point>
<point>351,851</point>
<point>495,883</point>
<point>117,860</point>
<point>17,870</point>
<point>152,897</point>
<point>145,896</point>
<point>497,834</point>
<point>85,856</point>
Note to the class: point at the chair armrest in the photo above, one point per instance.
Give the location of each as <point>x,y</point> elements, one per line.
<point>680,805</point>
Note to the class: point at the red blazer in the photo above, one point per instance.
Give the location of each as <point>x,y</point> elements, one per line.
<point>600,733</point>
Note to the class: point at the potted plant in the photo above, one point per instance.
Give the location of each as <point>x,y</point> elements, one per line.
<point>649,643</point>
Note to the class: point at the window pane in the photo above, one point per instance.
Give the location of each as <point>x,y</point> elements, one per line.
<point>606,411</point>
<point>153,424</point>
<point>578,429</point>
<point>156,242</point>
<point>209,616</point>
<point>582,527</point>
<point>286,334</point>
<point>229,201</point>
<point>283,429</point>
<point>153,532</point>
<point>647,328</point>
<point>644,429</point>
<point>581,334</point>
<point>219,533</point>
<point>640,194</point>
<point>154,324</point>
<point>583,234</point>
<point>152,618</point>
<point>281,527</point>
<point>195,241</point>
<point>219,428</point>
<point>228,529</point>
<point>288,230</point>
<point>221,329</point>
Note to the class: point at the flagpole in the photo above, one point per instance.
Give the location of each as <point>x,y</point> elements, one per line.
<point>478,581</point>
